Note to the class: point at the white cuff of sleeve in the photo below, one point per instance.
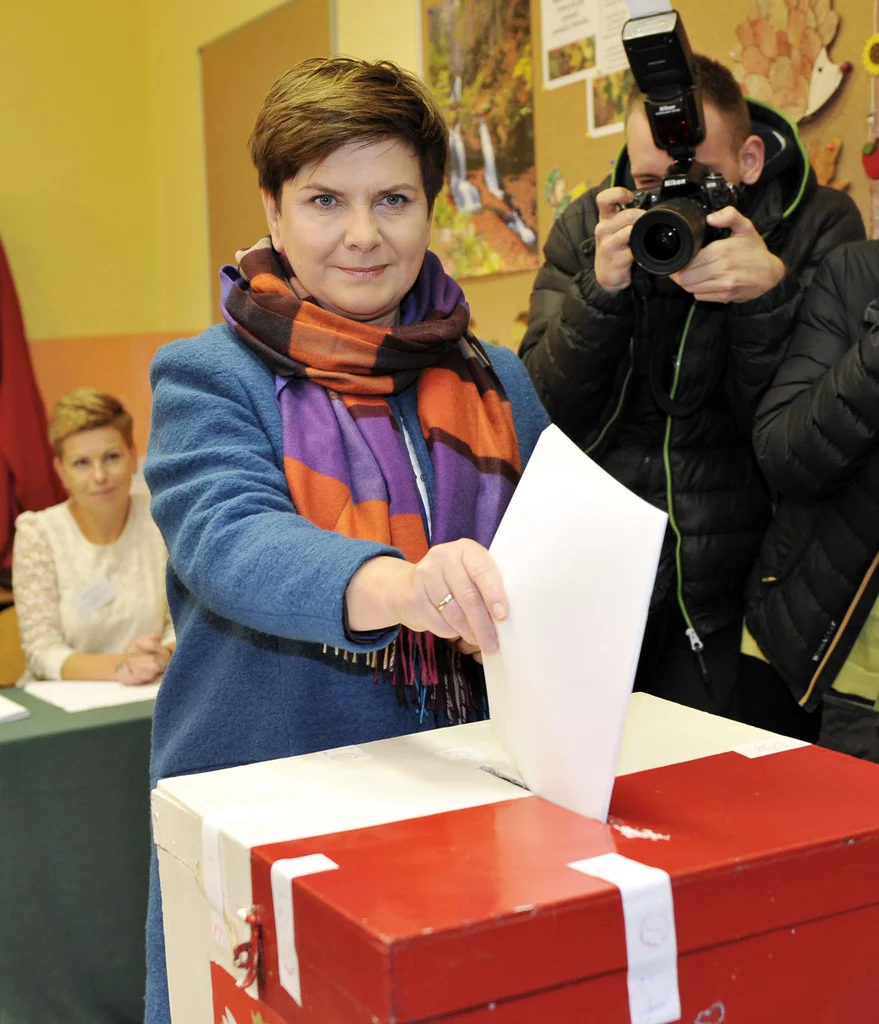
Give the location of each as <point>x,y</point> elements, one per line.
<point>50,662</point>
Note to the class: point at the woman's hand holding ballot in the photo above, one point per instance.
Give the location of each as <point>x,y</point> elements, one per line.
<point>454,592</point>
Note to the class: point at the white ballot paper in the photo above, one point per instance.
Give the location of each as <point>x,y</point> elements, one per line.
<point>86,696</point>
<point>11,711</point>
<point>578,554</point>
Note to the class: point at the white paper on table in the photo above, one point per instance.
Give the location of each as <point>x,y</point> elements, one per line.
<point>86,696</point>
<point>578,554</point>
<point>11,711</point>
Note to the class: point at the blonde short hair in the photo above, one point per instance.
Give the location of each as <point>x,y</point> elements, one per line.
<point>88,409</point>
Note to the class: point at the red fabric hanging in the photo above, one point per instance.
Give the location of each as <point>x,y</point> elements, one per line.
<point>27,479</point>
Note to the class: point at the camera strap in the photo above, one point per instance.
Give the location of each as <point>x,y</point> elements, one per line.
<point>657,364</point>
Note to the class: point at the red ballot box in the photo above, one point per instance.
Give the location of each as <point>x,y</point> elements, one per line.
<point>738,886</point>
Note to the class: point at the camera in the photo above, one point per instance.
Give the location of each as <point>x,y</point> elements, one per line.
<point>673,228</point>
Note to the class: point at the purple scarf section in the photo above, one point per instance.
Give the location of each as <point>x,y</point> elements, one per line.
<point>371,456</point>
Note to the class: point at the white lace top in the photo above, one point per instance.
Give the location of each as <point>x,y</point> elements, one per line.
<point>75,596</point>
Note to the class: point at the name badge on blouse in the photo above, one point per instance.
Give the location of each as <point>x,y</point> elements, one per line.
<point>93,596</point>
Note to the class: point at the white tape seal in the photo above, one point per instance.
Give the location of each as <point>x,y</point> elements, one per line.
<point>212,862</point>
<point>775,745</point>
<point>651,939</point>
<point>283,873</point>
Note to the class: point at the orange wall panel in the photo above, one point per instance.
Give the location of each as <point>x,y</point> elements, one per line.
<point>116,364</point>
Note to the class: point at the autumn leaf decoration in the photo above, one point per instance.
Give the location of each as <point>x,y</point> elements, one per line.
<point>781,55</point>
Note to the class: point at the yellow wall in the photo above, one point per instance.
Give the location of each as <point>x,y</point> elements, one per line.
<point>376,29</point>
<point>176,30</point>
<point>102,190</point>
<point>78,198</point>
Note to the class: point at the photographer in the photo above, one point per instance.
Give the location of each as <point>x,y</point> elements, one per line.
<point>658,376</point>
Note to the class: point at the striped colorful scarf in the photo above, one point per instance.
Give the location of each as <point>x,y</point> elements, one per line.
<point>349,470</point>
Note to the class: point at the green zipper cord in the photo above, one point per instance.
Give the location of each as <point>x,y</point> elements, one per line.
<point>595,444</point>
<point>695,643</point>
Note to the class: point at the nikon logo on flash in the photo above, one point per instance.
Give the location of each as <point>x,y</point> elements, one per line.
<point>671,182</point>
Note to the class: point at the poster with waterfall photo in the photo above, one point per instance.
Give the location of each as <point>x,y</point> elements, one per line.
<point>478,66</point>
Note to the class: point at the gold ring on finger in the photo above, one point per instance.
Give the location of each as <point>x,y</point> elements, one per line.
<point>441,606</point>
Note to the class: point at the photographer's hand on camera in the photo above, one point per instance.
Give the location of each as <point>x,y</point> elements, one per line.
<point>613,257</point>
<point>734,269</point>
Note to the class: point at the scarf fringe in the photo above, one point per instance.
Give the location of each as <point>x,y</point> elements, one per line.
<point>429,676</point>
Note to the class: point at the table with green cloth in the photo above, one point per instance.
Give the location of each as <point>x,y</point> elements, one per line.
<point>74,863</point>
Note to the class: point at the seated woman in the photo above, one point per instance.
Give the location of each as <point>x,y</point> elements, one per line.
<point>89,574</point>
<point>328,467</point>
<point>813,606</point>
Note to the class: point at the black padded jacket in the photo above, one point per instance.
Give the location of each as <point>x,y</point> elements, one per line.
<point>817,440</point>
<point>606,366</point>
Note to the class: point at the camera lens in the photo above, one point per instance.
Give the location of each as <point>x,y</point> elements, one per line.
<point>662,242</point>
<point>667,237</point>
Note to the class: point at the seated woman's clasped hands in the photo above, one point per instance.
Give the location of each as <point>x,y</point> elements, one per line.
<point>144,660</point>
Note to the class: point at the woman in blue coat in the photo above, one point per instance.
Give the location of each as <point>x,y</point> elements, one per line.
<point>329,466</point>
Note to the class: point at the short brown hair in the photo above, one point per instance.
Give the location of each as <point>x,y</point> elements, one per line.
<point>87,409</point>
<point>718,87</point>
<point>327,102</point>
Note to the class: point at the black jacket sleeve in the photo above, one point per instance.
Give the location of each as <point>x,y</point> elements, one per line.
<point>819,421</point>
<point>578,333</point>
<point>760,330</point>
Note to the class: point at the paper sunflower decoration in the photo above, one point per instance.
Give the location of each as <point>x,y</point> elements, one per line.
<point>781,56</point>
<point>871,55</point>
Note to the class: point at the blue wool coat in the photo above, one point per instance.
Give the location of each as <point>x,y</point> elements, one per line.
<point>256,590</point>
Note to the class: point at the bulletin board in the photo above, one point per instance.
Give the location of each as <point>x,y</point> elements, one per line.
<point>237,71</point>
<point>564,153</point>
